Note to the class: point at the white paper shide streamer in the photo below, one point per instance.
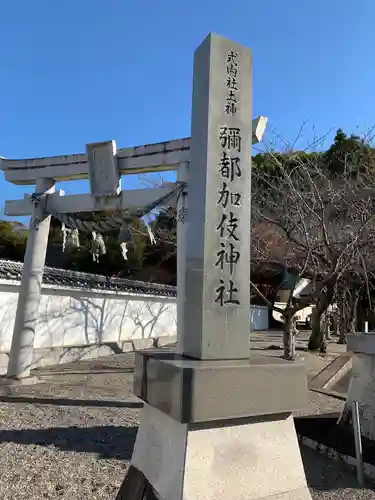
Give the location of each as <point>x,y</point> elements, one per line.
<point>71,225</point>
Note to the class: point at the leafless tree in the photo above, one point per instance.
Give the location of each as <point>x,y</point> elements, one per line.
<point>270,248</point>
<point>318,224</point>
<point>323,225</point>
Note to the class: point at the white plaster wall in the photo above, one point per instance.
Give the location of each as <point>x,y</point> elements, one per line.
<point>258,318</point>
<point>69,317</point>
<point>8,304</point>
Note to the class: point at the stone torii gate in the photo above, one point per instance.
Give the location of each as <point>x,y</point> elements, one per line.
<point>103,165</point>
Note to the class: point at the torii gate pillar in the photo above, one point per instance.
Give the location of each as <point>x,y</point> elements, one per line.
<point>22,348</point>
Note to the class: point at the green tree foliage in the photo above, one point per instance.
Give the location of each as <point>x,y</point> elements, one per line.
<point>349,155</point>
<point>270,161</point>
<point>12,243</point>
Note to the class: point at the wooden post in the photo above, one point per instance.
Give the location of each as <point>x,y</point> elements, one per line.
<point>21,353</point>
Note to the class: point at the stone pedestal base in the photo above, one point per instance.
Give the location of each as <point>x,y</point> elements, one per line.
<point>244,459</point>
<point>362,382</point>
<point>193,391</point>
<point>216,430</point>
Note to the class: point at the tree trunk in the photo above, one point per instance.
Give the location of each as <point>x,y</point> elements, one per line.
<point>335,323</point>
<point>317,339</point>
<point>317,331</point>
<point>342,323</point>
<point>353,312</point>
<point>327,321</point>
<point>289,336</point>
<point>348,313</point>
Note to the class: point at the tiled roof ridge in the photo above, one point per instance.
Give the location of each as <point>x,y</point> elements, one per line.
<point>94,279</point>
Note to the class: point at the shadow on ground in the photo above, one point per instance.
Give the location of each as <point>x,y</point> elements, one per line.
<point>274,347</point>
<point>111,442</point>
<point>71,402</point>
<point>325,474</point>
<point>80,371</point>
<point>103,441</point>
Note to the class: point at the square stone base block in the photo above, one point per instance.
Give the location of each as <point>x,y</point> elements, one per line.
<point>248,459</point>
<point>192,391</point>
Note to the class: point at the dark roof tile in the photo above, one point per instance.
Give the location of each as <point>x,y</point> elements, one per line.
<point>10,270</point>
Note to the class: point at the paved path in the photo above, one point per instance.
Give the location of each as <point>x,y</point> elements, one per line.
<point>71,437</point>
<point>261,341</point>
<point>318,403</point>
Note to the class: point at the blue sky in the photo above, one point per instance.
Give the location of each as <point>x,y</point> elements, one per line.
<point>81,71</point>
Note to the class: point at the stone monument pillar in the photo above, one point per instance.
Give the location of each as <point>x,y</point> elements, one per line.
<point>217,422</point>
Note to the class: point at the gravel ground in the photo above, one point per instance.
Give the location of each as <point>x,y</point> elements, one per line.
<point>71,437</point>
<point>331,480</point>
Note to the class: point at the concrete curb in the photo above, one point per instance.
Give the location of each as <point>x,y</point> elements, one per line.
<point>331,374</point>
<point>333,394</point>
<point>53,356</point>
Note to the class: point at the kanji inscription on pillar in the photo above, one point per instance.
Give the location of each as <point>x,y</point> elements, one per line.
<point>217,306</point>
